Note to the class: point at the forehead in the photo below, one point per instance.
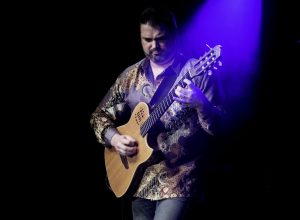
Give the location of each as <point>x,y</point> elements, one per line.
<point>146,28</point>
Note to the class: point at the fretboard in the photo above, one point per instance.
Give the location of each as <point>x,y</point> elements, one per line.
<point>203,64</point>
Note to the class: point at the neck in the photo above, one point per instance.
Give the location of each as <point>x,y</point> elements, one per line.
<point>157,69</point>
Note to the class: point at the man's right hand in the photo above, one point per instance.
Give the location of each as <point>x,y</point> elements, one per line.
<point>124,144</point>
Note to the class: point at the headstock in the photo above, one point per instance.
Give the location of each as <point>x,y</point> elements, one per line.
<point>209,60</point>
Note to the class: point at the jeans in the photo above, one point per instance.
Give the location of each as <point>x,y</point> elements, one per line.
<point>166,209</point>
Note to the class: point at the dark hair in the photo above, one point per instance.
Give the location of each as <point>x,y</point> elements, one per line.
<point>158,17</point>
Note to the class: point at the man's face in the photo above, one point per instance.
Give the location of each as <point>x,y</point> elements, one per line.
<point>157,43</point>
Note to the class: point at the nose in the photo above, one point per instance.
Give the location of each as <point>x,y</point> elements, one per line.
<point>154,44</point>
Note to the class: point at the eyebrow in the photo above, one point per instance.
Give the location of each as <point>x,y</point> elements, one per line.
<point>155,38</point>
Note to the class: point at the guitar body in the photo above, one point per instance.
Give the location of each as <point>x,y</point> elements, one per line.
<point>121,170</point>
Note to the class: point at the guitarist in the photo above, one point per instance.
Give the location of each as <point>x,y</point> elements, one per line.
<point>166,188</point>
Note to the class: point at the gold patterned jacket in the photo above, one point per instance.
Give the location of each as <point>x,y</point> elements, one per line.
<point>184,132</point>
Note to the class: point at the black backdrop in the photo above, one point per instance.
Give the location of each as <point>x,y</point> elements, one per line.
<point>74,49</point>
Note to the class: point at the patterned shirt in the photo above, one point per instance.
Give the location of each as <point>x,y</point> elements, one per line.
<point>183,132</point>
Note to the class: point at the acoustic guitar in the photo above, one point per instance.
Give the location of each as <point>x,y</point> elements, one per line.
<point>125,172</point>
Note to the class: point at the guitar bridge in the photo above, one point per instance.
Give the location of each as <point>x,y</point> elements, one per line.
<point>124,161</point>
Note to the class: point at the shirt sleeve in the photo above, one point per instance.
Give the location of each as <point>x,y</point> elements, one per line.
<point>103,119</point>
<point>211,114</point>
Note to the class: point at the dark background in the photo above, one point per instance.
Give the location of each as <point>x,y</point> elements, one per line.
<point>72,54</point>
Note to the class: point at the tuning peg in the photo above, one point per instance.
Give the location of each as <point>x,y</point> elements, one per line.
<point>219,63</point>
<point>215,68</point>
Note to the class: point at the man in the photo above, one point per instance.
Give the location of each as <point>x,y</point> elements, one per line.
<point>182,131</point>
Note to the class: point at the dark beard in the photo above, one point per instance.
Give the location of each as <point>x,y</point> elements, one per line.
<point>161,59</point>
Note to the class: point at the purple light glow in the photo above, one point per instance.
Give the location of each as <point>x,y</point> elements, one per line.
<point>236,25</point>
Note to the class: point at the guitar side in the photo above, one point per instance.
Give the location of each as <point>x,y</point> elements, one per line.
<point>122,169</point>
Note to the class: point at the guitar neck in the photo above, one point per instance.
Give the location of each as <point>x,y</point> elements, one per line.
<point>202,65</point>
<point>162,107</point>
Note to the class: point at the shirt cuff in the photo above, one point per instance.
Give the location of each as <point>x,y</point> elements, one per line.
<point>110,132</point>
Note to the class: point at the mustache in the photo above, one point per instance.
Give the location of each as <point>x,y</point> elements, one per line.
<point>155,50</point>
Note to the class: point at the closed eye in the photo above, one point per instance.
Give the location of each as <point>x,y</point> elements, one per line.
<point>148,39</point>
